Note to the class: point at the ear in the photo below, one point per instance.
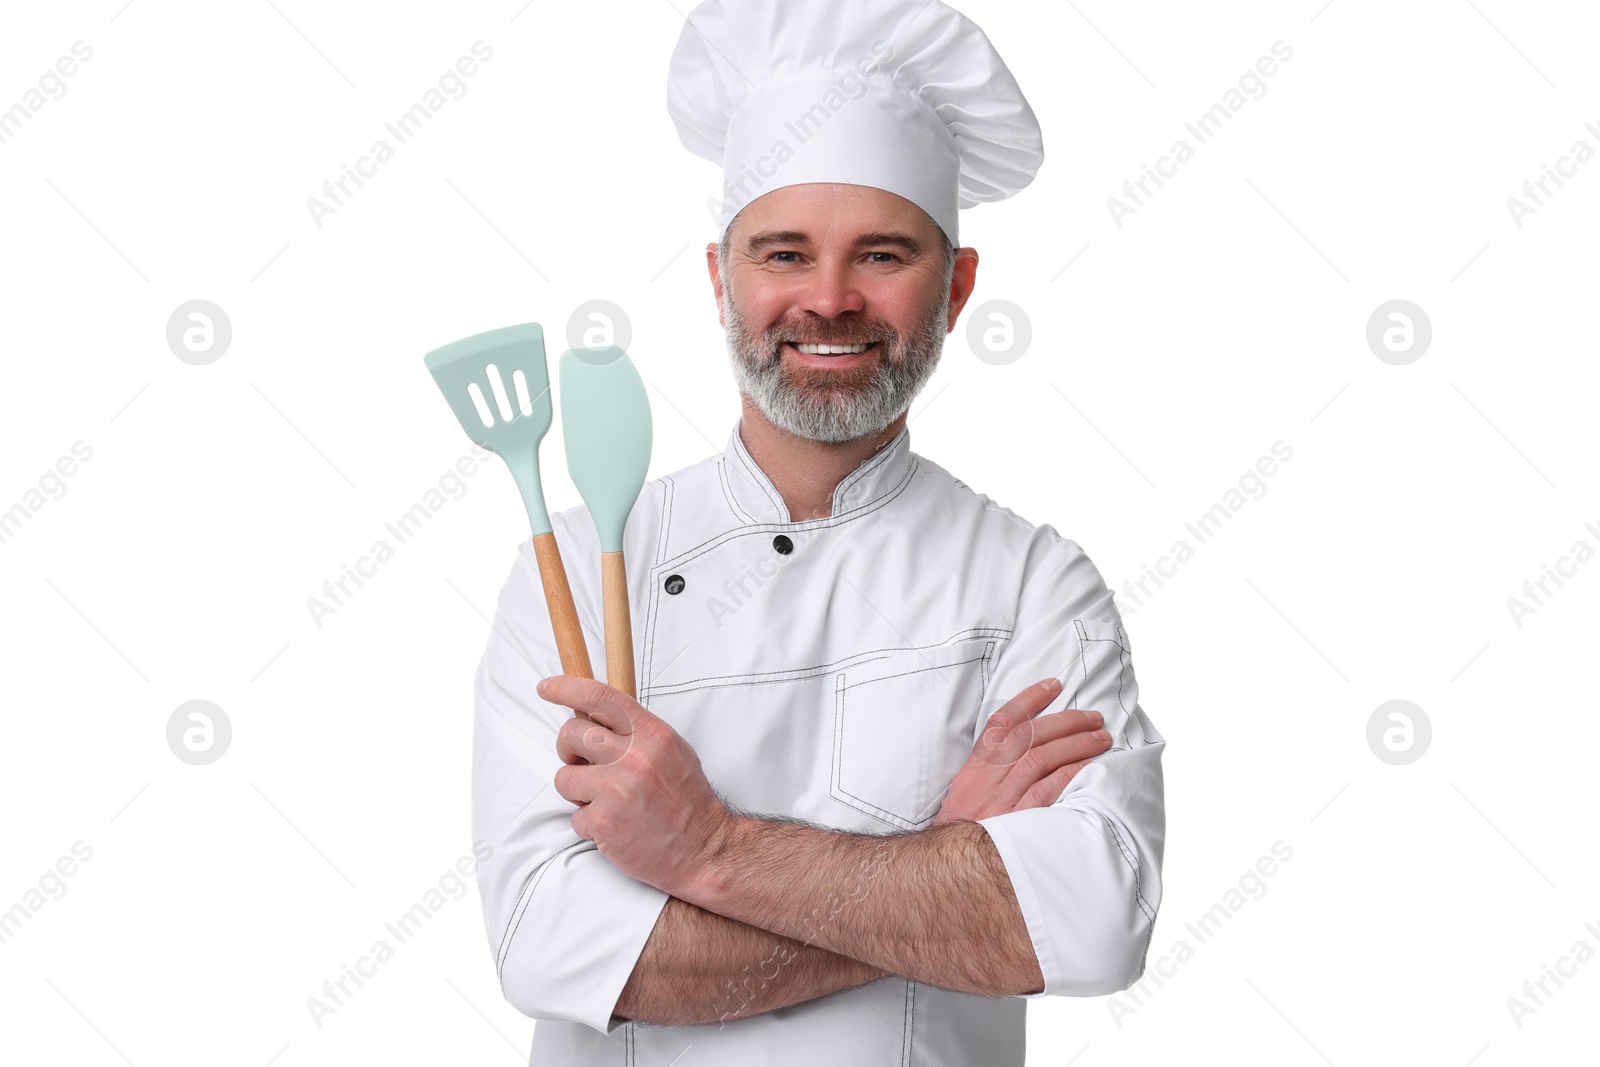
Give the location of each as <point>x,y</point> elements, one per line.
<point>716,279</point>
<point>963,279</point>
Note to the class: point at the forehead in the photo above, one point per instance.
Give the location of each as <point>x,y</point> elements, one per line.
<point>824,213</point>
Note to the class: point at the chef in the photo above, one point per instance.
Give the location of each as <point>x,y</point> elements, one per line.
<point>887,777</point>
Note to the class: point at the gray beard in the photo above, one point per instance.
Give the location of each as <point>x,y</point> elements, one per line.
<point>834,406</point>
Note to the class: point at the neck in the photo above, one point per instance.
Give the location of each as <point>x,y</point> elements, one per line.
<point>806,472</point>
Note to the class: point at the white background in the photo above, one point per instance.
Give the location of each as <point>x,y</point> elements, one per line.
<point>1227,314</point>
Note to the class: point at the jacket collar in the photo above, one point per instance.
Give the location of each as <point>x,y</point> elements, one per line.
<point>758,501</point>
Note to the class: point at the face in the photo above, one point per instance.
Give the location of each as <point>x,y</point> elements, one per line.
<point>836,303</point>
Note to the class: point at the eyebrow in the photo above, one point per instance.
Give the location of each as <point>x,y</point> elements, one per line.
<point>795,237</point>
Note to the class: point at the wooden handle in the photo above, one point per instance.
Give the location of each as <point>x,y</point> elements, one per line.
<point>619,624</point>
<point>563,613</point>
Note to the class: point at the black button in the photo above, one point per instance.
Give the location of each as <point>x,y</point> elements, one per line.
<point>674,584</point>
<point>783,545</point>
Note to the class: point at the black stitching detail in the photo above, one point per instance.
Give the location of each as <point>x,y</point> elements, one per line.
<point>1124,661</point>
<point>1138,872</point>
<point>793,527</point>
<point>1124,657</point>
<point>669,488</point>
<point>1138,881</point>
<point>795,674</point>
<point>919,670</point>
<point>765,528</point>
<point>727,491</point>
<point>1149,935</point>
<point>1083,663</point>
<point>871,465</point>
<point>523,901</point>
<point>911,1031</point>
<point>762,481</point>
<point>908,1017</point>
<point>864,805</point>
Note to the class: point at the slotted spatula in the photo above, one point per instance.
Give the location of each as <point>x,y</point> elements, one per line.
<point>497,384</point>
<point>605,422</point>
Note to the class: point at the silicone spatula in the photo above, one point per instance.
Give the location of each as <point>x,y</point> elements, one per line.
<point>497,384</point>
<point>605,422</point>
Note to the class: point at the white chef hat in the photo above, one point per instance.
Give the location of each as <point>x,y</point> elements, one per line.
<point>907,96</point>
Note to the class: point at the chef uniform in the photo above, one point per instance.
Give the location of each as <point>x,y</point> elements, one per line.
<point>836,670</point>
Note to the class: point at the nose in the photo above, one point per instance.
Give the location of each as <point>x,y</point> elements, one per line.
<point>831,289</point>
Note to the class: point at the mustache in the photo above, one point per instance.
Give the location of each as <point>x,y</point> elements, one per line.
<point>836,333</point>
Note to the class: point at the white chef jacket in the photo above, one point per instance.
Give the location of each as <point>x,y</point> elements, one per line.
<point>844,682</point>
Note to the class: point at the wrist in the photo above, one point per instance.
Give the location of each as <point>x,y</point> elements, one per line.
<point>709,884</point>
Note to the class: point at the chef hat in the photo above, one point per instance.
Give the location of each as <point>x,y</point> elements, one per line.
<point>907,96</point>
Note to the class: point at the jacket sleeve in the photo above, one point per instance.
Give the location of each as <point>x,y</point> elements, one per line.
<point>565,926</point>
<point>1086,869</point>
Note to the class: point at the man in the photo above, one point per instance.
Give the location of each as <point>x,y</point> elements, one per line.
<point>844,822</point>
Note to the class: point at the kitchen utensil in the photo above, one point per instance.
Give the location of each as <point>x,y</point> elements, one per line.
<point>605,422</point>
<point>497,384</point>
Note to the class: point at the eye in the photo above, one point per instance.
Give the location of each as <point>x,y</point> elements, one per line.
<point>889,257</point>
<point>775,256</point>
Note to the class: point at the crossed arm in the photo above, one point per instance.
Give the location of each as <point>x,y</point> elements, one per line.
<point>785,912</point>
<point>765,932</point>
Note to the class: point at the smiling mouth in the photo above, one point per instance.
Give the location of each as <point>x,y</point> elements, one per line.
<point>830,350</point>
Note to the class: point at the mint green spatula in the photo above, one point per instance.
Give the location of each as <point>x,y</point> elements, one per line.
<point>498,386</point>
<point>605,422</point>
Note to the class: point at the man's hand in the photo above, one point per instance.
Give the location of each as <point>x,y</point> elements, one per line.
<point>1022,761</point>
<point>645,802</point>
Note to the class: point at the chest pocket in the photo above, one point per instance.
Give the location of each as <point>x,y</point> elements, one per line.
<point>903,726</point>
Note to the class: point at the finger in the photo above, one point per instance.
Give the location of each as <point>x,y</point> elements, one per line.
<point>1045,759</point>
<point>1039,762</point>
<point>1059,724</point>
<point>580,740</point>
<point>576,784</point>
<point>1016,711</point>
<point>564,748</point>
<point>581,825</point>
<point>1048,790</point>
<point>612,707</point>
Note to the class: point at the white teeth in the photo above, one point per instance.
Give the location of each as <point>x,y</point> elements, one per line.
<point>831,350</point>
